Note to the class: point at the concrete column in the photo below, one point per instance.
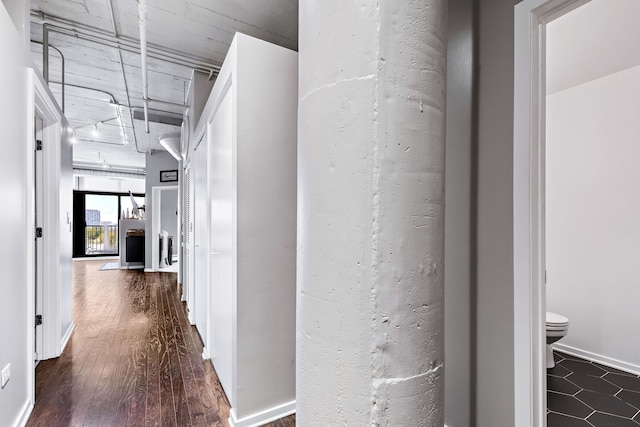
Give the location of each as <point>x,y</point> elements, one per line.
<point>371,213</point>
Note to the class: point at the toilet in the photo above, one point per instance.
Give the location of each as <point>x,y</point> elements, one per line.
<point>557,327</point>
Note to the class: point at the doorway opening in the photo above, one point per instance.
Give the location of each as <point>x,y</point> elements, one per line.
<point>96,225</point>
<point>48,328</point>
<point>531,18</point>
<point>165,226</point>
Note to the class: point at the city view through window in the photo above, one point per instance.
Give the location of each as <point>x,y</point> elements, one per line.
<point>102,213</point>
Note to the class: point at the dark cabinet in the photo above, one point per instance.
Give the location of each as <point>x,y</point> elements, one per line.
<point>135,249</point>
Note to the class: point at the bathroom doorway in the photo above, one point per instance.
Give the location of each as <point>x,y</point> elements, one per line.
<point>591,154</point>
<point>531,18</point>
<point>554,174</point>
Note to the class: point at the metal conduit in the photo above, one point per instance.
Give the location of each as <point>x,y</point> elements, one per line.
<point>113,100</point>
<point>45,52</point>
<point>63,74</point>
<point>127,44</point>
<point>124,76</point>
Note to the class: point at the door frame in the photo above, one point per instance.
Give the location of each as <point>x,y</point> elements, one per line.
<point>41,103</point>
<point>189,286</point>
<point>531,18</point>
<point>201,227</point>
<point>39,243</point>
<point>156,208</point>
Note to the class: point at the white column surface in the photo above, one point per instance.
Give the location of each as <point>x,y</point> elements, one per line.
<point>371,213</point>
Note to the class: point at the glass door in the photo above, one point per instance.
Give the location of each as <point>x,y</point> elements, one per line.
<point>101,224</point>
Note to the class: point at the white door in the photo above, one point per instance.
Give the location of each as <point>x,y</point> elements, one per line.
<point>222,243</point>
<point>187,227</point>
<point>201,239</point>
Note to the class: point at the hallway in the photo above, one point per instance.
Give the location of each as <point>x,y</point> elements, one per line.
<point>133,359</point>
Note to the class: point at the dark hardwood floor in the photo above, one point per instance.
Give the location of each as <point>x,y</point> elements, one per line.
<point>133,360</point>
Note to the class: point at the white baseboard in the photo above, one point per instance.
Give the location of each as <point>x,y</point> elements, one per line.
<point>598,358</point>
<point>24,415</point>
<point>67,336</point>
<point>96,258</point>
<point>264,417</point>
<point>132,267</point>
<point>205,354</point>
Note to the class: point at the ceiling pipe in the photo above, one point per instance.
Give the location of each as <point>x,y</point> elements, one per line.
<point>172,104</point>
<point>127,44</point>
<point>113,102</point>
<point>142,22</point>
<point>49,45</point>
<point>124,80</point>
<point>45,52</point>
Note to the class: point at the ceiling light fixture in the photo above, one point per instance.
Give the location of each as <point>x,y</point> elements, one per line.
<point>123,133</point>
<point>171,143</point>
<point>96,131</point>
<point>103,161</point>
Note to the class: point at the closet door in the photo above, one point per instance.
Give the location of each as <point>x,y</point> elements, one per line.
<point>188,239</point>
<point>201,241</point>
<point>223,242</point>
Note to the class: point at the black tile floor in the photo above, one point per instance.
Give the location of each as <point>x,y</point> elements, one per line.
<point>585,394</point>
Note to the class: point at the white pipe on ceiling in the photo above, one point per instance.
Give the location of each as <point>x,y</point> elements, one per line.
<point>142,21</point>
<point>124,81</point>
<point>97,35</point>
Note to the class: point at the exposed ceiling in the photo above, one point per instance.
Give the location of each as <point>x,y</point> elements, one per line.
<point>103,83</point>
<point>597,39</point>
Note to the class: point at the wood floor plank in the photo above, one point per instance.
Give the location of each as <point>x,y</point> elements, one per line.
<point>137,408</point>
<point>152,415</point>
<point>133,360</point>
<point>177,384</point>
<point>168,409</point>
<point>192,392</point>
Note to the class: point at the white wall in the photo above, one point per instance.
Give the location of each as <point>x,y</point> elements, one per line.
<point>459,394</point>
<point>19,12</point>
<point>15,221</point>
<point>65,224</point>
<point>493,188</point>
<point>109,184</point>
<point>593,225</point>
<point>579,43</point>
<point>155,162</point>
<point>169,215</point>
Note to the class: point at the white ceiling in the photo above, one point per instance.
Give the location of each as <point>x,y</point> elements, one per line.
<point>597,39</point>
<point>200,30</point>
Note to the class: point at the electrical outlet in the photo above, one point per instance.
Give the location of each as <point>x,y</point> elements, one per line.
<point>6,374</point>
